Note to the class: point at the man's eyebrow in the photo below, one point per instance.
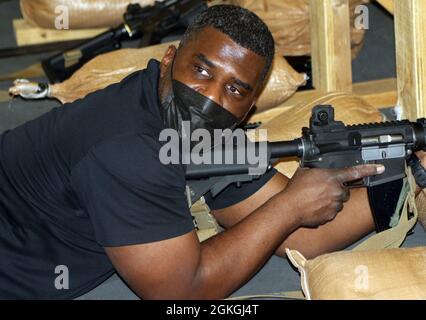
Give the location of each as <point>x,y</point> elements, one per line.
<point>243,84</point>
<point>204,59</point>
<point>210,64</point>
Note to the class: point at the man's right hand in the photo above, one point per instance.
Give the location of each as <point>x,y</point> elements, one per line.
<point>318,195</point>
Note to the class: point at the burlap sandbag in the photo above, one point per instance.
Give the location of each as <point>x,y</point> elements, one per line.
<point>349,108</point>
<point>377,274</point>
<point>114,66</point>
<point>82,13</point>
<point>289,23</point>
<point>287,19</point>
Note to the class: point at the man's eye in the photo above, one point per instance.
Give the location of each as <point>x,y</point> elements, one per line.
<point>234,90</point>
<point>201,71</point>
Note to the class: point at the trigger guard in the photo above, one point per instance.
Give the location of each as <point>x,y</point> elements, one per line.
<point>360,183</point>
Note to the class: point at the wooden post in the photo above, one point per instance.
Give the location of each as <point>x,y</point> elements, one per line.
<point>410,34</point>
<point>331,45</point>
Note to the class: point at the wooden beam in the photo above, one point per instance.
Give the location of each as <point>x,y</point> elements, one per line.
<point>331,45</point>
<point>378,93</point>
<point>27,34</point>
<point>388,5</point>
<point>410,36</point>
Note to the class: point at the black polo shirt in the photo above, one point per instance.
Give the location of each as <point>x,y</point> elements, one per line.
<point>84,176</point>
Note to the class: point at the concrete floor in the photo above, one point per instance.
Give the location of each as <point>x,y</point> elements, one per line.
<point>376,61</point>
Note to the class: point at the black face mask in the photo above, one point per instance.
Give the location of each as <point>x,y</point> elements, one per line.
<point>186,104</point>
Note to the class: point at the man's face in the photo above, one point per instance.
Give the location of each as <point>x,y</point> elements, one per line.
<point>218,68</point>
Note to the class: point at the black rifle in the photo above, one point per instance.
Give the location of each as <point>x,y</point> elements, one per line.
<point>149,23</point>
<point>330,144</point>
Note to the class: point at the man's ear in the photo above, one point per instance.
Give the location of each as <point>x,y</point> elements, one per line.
<point>167,59</point>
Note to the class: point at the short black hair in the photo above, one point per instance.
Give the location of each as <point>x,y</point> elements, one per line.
<point>241,25</point>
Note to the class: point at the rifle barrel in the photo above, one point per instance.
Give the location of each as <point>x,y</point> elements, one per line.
<point>282,149</point>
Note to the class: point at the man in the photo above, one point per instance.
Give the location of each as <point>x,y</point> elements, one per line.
<point>83,191</point>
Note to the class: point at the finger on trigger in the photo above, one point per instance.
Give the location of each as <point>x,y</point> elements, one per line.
<point>358,172</point>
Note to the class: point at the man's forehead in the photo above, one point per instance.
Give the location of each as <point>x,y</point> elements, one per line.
<point>213,46</point>
<point>212,38</point>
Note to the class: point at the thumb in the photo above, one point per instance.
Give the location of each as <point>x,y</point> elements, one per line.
<point>358,172</point>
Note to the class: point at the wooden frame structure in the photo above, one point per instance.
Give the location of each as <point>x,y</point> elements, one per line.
<point>331,58</point>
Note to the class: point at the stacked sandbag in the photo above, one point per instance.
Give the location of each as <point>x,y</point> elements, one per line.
<point>112,67</point>
<point>287,19</point>
<point>82,13</point>
<point>388,274</point>
<point>104,70</point>
<point>349,108</point>
<point>289,23</point>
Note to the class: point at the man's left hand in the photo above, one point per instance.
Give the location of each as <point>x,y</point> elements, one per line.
<point>422,156</point>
